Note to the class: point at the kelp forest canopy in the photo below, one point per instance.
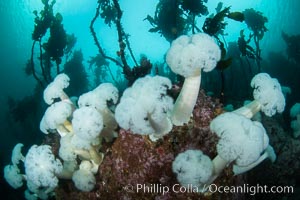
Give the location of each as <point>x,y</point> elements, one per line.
<point>53,47</point>
<point>171,19</point>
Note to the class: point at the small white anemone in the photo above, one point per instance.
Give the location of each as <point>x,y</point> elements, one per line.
<point>55,117</point>
<point>13,177</point>
<point>17,154</point>
<point>192,167</point>
<point>268,97</point>
<point>84,178</point>
<point>99,97</point>
<point>41,167</point>
<point>55,89</point>
<point>87,123</point>
<point>144,107</point>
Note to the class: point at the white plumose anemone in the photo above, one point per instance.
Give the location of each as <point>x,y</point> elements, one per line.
<point>187,56</point>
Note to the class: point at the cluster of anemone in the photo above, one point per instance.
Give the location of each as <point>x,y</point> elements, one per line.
<point>42,170</point>
<point>242,141</point>
<point>81,127</point>
<point>145,108</point>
